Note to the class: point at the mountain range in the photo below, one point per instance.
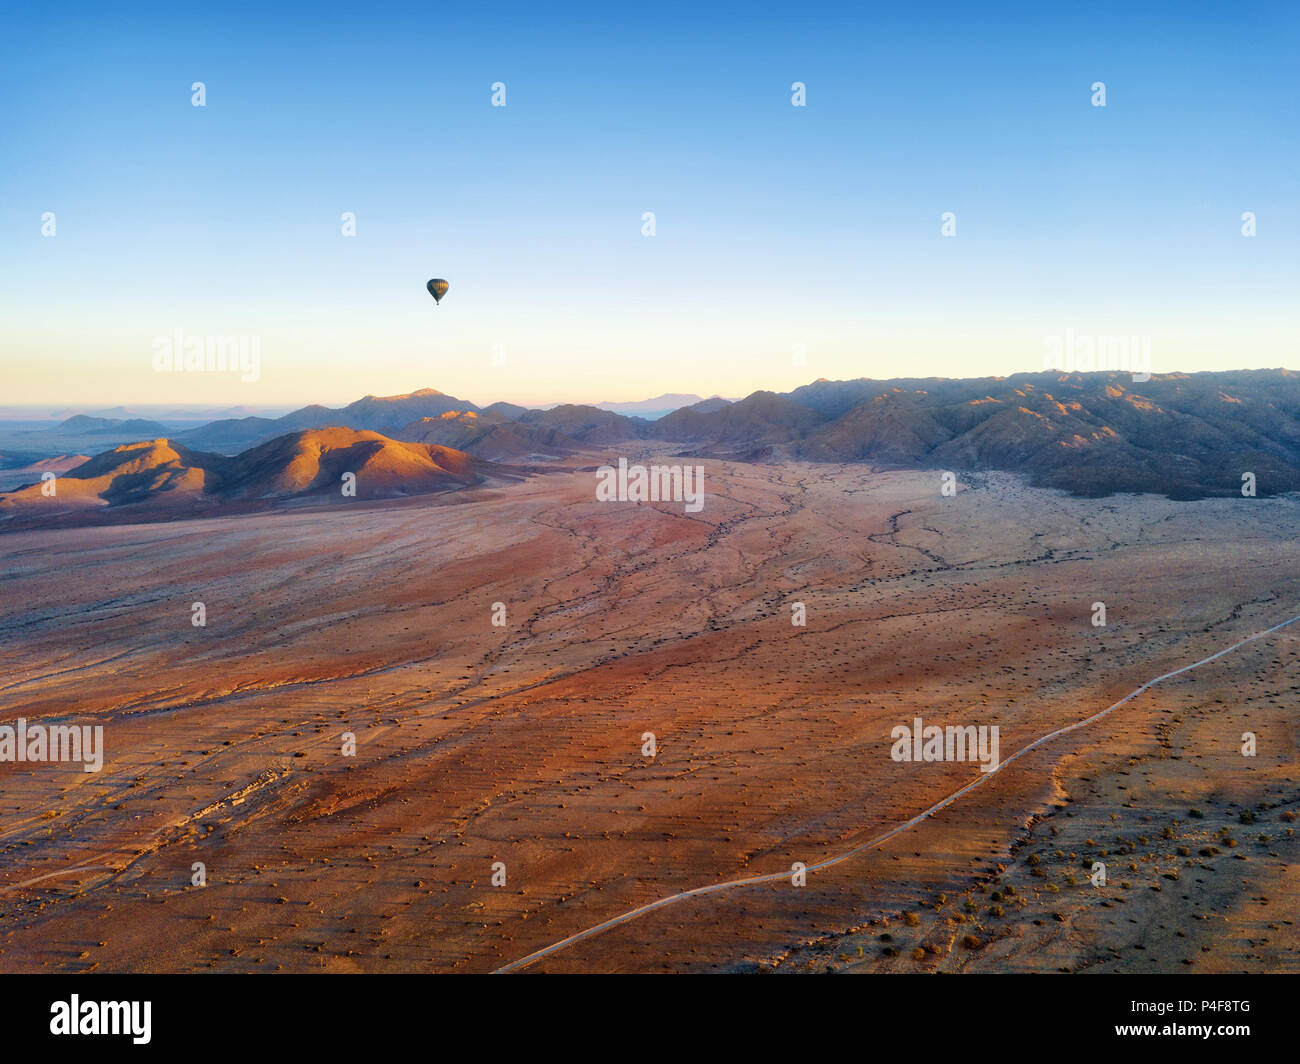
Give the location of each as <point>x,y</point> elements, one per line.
<point>1182,435</point>
<point>177,481</point>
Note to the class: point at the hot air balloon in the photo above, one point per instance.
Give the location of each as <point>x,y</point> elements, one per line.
<point>437,288</point>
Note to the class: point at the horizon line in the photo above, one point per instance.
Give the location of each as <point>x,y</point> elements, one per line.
<point>288,406</point>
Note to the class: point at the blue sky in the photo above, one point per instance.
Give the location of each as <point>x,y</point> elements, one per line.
<point>776,226</point>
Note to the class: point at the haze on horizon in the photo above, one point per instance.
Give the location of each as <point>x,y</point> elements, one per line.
<point>779,230</point>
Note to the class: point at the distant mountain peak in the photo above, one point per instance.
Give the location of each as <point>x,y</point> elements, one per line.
<point>419,393</point>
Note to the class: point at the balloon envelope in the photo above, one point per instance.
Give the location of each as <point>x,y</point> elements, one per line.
<point>437,288</point>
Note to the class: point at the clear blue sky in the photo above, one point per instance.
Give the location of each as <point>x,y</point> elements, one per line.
<point>776,225</point>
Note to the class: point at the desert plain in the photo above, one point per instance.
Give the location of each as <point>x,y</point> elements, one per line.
<point>482,745</point>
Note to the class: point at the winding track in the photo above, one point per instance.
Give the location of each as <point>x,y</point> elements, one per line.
<point>830,862</point>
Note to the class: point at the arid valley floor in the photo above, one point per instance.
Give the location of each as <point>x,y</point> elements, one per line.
<point>522,744</point>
